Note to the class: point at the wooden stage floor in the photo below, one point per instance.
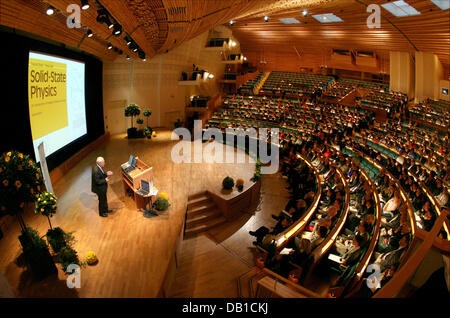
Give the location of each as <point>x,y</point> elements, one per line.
<point>134,251</point>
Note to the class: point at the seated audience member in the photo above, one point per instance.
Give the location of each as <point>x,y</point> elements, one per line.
<point>318,236</point>
<point>419,199</point>
<point>299,255</point>
<point>427,217</point>
<point>352,255</point>
<point>392,205</point>
<point>386,260</point>
<point>442,198</point>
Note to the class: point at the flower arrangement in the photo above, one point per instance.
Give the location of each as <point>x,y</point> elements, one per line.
<point>240,184</point>
<point>91,258</point>
<point>163,195</point>
<point>46,204</point>
<point>228,183</point>
<point>153,133</point>
<point>20,182</point>
<point>161,204</point>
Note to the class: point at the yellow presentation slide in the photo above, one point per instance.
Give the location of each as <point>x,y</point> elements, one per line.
<point>47,96</point>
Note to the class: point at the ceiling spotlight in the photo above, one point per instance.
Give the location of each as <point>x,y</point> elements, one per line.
<point>135,49</point>
<point>84,4</point>
<point>127,40</point>
<point>141,55</point>
<point>117,29</point>
<point>211,76</point>
<point>50,10</point>
<point>231,22</point>
<point>102,17</point>
<point>266,18</point>
<point>245,58</point>
<point>109,46</point>
<point>89,33</point>
<point>128,57</point>
<point>305,13</point>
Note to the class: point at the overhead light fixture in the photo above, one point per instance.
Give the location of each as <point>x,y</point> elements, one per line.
<point>109,46</point>
<point>245,58</point>
<point>231,22</point>
<point>103,17</point>
<point>135,50</point>
<point>266,18</point>
<point>127,40</point>
<point>305,13</point>
<point>89,33</point>
<point>50,10</point>
<point>128,57</point>
<point>117,29</point>
<point>85,4</point>
<point>211,76</point>
<point>141,55</point>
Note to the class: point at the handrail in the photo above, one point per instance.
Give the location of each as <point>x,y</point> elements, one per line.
<point>300,288</point>
<point>392,288</point>
<point>323,248</point>
<point>282,238</point>
<point>361,268</point>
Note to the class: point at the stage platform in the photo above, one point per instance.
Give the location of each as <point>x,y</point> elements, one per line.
<point>134,252</point>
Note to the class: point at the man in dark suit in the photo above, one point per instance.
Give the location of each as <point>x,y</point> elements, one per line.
<point>99,186</point>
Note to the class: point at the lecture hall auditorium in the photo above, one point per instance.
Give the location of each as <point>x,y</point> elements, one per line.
<point>225,149</point>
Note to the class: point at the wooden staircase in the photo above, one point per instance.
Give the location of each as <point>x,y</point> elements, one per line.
<point>202,214</point>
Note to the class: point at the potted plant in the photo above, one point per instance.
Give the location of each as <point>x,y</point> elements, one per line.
<point>147,113</point>
<point>228,183</point>
<point>132,110</point>
<point>178,123</point>
<point>46,205</point>
<point>257,175</point>
<point>161,204</point>
<point>240,184</point>
<point>148,132</point>
<point>139,121</point>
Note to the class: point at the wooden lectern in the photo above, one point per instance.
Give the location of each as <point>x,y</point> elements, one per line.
<point>132,181</point>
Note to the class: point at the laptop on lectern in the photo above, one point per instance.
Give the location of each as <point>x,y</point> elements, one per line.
<point>130,165</point>
<point>145,188</point>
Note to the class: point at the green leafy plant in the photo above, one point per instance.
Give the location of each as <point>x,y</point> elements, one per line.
<point>148,132</point>
<point>132,110</point>
<point>68,256</point>
<point>46,205</point>
<point>147,113</point>
<point>178,123</point>
<point>36,253</point>
<point>228,183</point>
<point>58,239</point>
<point>257,175</point>
<point>20,183</point>
<point>161,204</point>
<point>140,121</point>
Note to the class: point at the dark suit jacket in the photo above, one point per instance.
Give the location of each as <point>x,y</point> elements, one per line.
<point>99,184</point>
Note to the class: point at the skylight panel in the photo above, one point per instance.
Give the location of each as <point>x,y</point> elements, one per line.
<point>400,8</point>
<point>327,18</point>
<point>443,4</point>
<point>289,20</point>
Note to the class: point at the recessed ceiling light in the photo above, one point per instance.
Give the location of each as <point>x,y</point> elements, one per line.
<point>50,10</point>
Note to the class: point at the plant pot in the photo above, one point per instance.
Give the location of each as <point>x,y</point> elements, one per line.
<point>132,132</point>
<point>37,257</point>
<point>56,239</point>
